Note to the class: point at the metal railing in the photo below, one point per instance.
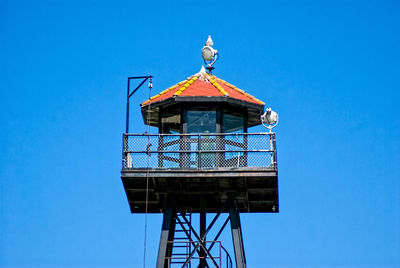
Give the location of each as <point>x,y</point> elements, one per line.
<point>185,255</point>
<point>199,151</point>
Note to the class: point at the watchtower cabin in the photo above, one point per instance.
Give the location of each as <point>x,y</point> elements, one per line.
<point>203,160</point>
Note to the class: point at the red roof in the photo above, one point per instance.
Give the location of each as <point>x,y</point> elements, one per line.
<point>203,84</point>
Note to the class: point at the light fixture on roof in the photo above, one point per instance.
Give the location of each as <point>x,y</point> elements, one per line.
<point>269,119</point>
<point>209,54</point>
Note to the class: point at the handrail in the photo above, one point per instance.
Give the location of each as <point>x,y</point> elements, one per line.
<point>201,134</point>
<point>185,256</point>
<point>198,150</point>
<point>228,257</point>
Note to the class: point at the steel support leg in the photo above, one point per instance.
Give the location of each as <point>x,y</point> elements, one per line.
<point>167,234</point>
<point>237,238</point>
<point>203,255</point>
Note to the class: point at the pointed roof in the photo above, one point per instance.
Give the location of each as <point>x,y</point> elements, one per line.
<point>202,89</point>
<point>203,85</point>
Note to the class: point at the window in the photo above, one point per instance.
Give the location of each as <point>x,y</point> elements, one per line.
<point>171,122</point>
<point>201,121</point>
<point>232,121</point>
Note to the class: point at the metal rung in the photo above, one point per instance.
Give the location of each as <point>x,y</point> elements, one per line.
<point>183,222</point>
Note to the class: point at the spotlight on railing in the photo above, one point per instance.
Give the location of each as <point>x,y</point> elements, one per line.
<point>269,119</point>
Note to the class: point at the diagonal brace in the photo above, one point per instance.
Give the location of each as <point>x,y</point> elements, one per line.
<point>218,234</point>
<point>201,240</point>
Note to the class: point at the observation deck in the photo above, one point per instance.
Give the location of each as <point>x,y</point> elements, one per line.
<point>200,172</point>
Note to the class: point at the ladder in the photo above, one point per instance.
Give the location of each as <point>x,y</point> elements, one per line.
<point>181,246</point>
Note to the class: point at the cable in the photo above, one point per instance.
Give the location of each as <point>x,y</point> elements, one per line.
<point>147,173</point>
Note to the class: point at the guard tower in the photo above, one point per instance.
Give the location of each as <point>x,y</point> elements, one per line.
<point>202,161</point>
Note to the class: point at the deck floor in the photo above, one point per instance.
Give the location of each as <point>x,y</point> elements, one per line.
<point>209,190</point>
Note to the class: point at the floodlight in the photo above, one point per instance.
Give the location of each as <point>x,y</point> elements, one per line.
<point>269,118</point>
<point>209,54</point>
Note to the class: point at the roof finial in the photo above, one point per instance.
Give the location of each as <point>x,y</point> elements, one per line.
<point>209,54</point>
<point>202,75</point>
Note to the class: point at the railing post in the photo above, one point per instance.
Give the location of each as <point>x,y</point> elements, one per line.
<point>219,159</point>
<point>199,153</point>
<point>183,147</point>
<point>274,150</point>
<point>245,141</point>
<point>271,148</point>
<point>125,150</point>
<point>160,149</point>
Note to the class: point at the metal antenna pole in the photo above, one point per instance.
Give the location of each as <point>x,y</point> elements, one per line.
<point>129,95</point>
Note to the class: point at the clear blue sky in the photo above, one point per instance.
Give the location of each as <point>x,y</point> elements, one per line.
<point>331,71</point>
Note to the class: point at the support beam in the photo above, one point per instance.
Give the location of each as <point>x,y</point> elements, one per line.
<point>203,255</point>
<point>189,238</point>
<point>218,234</point>
<point>237,238</point>
<point>167,233</point>
<point>201,241</point>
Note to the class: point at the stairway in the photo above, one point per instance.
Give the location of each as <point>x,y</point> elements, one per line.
<point>181,247</point>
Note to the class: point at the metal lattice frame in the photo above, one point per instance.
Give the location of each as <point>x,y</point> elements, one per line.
<point>209,253</point>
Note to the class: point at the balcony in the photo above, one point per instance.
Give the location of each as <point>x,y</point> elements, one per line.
<point>199,151</point>
<point>199,169</point>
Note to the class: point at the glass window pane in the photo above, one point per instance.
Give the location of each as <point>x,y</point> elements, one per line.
<point>171,122</point>
<point>202,121</point>
<point>232,122</point>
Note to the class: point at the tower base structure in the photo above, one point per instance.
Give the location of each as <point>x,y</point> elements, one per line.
<point>197,246</point>
<point>193,178</point>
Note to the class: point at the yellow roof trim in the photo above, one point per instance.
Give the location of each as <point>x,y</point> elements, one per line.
<point>240,90</point>
<point>165,91</point>
<point>185,86</point>
<point>217,86</point>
